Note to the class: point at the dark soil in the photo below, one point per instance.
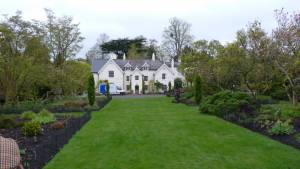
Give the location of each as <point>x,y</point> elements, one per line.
<point>37,151</point>
<point>285,139</point>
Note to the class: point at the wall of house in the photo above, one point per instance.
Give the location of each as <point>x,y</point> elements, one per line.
<point>169,76</point>
<point>118,73</point>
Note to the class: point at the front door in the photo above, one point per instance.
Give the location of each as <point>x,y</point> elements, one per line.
<point>136,89</point>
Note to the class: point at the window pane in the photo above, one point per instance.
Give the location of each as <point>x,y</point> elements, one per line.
<point>111,74</point>
<point>163,76</point>
<point>136,77</point>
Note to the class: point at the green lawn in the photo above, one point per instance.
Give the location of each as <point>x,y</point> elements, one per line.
<point>153,133</point>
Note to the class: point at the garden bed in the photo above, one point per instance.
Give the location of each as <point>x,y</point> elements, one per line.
<point>38,150</point>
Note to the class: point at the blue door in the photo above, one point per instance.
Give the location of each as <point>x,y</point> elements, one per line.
<point>102,89</point>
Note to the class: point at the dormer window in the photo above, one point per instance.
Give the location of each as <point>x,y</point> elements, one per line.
<point>145,66</point>
<point>127,66</point>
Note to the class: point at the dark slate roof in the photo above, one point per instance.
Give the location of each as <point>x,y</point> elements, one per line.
<point>97,64</point>
<point>153,65</point>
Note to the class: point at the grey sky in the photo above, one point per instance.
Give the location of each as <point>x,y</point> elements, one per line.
<point>210,19</point>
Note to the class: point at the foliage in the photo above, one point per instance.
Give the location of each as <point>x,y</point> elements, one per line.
<point>143,86</point>
<point>32,128</point>
<point>45,117</point>
<point>29,115</point>
<point>107,87</point>
<point>263,99</point>
<point>281,128</point>
<point>227,103</point>
<point>279,94</point>
<point>157,85</point>
<point>91,89</point>
<point>62,36</point>
<point>123,46</point>
<point>198,89</point>
<point>75,104</point>
<point>58,125</point>
<point>95,52</point>
<point>178,83</point>
<point>8,122</point>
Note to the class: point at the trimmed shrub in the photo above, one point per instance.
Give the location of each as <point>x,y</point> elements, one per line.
<point>282,128</point>
<point>107,89</point>
<point>227,104</point>
<point>44,117</point>
<point>32,128</point>
<point>28,115</point>
<point>198,89</point>
<point>91,90</point>
<point>178,83</point>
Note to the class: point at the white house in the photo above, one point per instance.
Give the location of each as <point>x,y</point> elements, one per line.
<point>129,74</point>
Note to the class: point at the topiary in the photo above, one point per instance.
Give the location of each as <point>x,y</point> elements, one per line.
<point>91,90</point>
<point>107,89</point>
<point>32,128</point>
<point>198,89</point>
<point>28,115</point>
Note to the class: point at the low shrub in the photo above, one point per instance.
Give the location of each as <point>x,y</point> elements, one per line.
<point>58,125</point>
<point>228,104</point>
<point>75,104</point>
<point>32,128</point>
<point>44,117</point>
<point>7,122</point>
<point>281,128</point>
<point>279,95</point>
<point>28,115</point>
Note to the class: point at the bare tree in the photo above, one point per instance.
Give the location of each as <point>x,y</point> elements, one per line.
<point>95,52</point>
<point>177,36</point>
<point>286,56</point>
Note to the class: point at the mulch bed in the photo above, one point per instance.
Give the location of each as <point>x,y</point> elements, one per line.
<point>285,139</point>
<point>37,151</point>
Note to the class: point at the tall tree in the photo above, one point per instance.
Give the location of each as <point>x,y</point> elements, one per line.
<point>62,36</point>
<point>23,57</point>
<point>122,46</point>
<point>95,52</point>
<point>286,52</point>
<point>177,36</point>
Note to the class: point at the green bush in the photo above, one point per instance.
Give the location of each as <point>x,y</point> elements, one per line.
<point>262,99</point>
<point>44,117</point>
<point>198,89</point>
<point>279,95</point>
<point>227,103</point>
<point>32,128</point>
<point>28,115</point>
<point>178,83</point>
<point>8,122</point>
<point>281,128</point>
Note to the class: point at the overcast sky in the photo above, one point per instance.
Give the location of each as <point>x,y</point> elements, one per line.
<point>210,19</point>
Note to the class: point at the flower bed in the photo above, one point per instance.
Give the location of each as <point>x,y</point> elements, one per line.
<point>38,150</point>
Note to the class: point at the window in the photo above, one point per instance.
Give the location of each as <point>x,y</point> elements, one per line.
<point>111,74</point>
<point>136,77</point>
<point>127,78</point>
<point>128,68</point>
<point>145,78</point>
<point>164,87</point>
<point>163,76</point>
<point>128,87</point>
